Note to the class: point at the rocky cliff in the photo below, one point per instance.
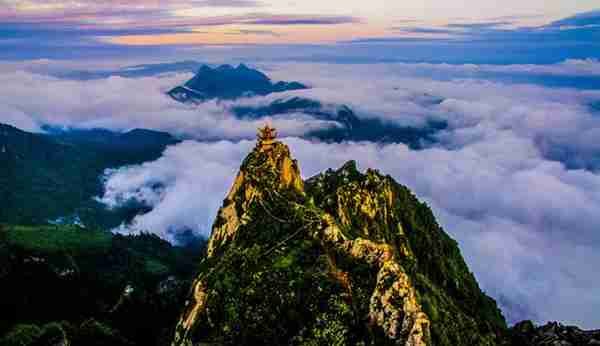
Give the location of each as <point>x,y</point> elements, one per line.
<point>343,258</point>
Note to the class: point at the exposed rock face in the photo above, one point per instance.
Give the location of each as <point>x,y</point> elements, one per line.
<point>344,258</point>
<point>552,334</point>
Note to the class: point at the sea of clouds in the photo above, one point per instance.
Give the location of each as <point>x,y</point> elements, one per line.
<point>514,178</point>
<point>30,100</point>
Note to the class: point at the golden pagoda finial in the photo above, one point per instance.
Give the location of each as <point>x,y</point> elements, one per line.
<point>266,136</point>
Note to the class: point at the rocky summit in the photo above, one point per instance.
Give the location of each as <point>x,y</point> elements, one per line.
<point>343,258</point>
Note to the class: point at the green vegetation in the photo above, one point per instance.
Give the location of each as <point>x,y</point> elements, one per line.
<point>52,239</point>
<point>90,286</point>
<point>88,333</point>
<point>21,335</point>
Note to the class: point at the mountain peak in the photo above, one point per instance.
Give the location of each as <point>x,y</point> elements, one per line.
<point>228,82</point>
<point>344,258</point>
<point>269,169</point>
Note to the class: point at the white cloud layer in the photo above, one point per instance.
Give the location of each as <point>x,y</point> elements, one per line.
<point>561,122</point>
<point>185,187</point>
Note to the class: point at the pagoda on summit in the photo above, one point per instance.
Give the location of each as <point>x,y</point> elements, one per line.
<point>266,137</point>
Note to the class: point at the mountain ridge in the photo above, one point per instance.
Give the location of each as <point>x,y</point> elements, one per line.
<point>226,82</point>
<point>352,127</point>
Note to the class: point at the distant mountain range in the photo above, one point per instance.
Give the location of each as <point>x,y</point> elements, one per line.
<point>352,128</point>
<point>54,176</point>
<point>227,82</point>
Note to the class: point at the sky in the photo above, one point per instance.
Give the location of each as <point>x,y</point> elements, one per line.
<point>331,31</point>
<point>514,178</point>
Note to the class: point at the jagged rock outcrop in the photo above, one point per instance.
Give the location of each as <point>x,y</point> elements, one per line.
<point>344,258</point>
<point>552,334</point>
